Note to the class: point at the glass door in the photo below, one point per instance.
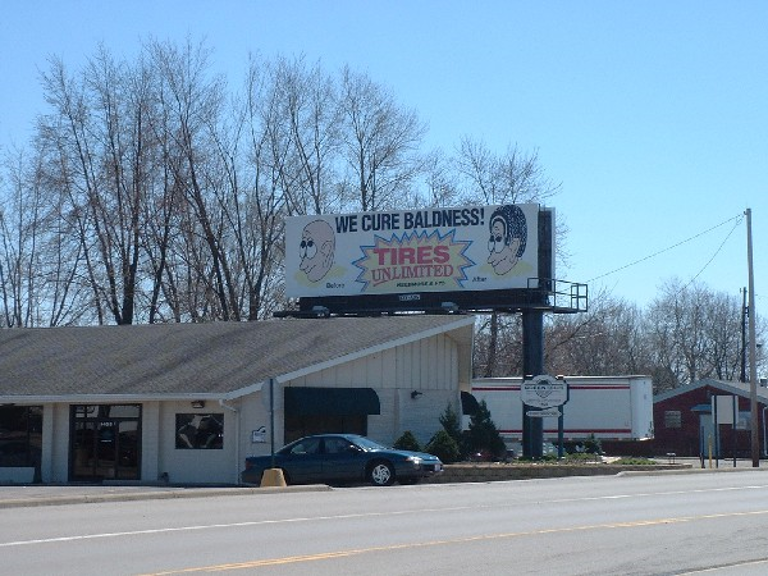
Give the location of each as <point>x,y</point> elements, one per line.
<point>105,443</point>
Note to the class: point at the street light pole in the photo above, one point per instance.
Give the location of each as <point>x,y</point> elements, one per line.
<point>752,347</point>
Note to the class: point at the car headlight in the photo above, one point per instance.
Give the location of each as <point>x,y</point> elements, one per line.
<point>415,460</point>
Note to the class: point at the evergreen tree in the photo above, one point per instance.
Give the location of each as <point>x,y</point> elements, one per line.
<point>483,437</point>
<point>444,447</point>
<point>407,441</point>
<point>451,423</point>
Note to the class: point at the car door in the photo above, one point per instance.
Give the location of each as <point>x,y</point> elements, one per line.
<point>344,461</point>
<point>304,461</point>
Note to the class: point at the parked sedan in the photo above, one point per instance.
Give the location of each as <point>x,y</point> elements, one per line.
<point>337,458</point>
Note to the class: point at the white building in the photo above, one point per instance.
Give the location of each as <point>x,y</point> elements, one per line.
<point>187,403</point>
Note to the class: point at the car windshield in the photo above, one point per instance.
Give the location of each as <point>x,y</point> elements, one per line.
<point>367,444</point>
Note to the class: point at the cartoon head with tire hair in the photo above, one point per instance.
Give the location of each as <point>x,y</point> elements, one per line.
<point>509,235</point>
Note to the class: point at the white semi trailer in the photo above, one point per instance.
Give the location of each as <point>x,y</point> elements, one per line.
<point>600,407</point>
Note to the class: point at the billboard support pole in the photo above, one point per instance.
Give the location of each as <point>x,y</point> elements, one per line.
<point>533,365</point>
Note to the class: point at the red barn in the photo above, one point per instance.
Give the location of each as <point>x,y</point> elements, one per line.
<point>684,420</point>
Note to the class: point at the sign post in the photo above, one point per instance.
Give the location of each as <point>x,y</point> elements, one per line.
<point>546,394</point>
<point>725,411</point>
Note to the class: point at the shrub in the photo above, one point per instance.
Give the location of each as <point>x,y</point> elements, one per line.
<point>451,423</point>
<point>581,457</point>
<point>444,447</point>
<point>407,441</point>
<point>483,437</point>
<point>590,445</point>
<point>593,445</point>
<point>634,461</point>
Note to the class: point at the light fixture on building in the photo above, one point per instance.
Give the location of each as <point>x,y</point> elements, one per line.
<point>449,307</point>
<point>321,311</point>
<point>198,404</point>
<point>415,394</point>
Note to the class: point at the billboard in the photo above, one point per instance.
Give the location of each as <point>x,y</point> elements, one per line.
<point>470,248</point>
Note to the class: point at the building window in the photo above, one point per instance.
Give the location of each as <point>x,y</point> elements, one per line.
<point>199,431</point>
<point>673,419</point>
<point>745,421</point>
<point>21,435</point>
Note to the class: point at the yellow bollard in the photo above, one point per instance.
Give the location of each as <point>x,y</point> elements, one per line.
<point>272,477</point>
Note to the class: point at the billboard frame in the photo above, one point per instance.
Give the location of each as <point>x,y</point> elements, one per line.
<point>543,293</point>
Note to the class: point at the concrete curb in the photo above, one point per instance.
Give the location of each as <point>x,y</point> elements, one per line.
<point>691,470</point>
<point>63,500</point>
<point>495,472</point>
<point>461,473</point>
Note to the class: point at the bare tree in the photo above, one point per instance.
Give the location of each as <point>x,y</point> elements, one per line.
<point>19,248</point>
<point>485,177</point>
<point>606,340</point>
<point>381,141</point>
<point>498,345</point>
<point>192,103</point>
<point>441,182</point>
<point>695,333</point>
<point>94,145</point>
<point>39,283</point>
<point>311,110</point>
<point>512,177</point>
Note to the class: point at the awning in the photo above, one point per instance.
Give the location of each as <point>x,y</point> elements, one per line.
<point>702,408</point>
<point>304,401</point>
<point>469,404</point>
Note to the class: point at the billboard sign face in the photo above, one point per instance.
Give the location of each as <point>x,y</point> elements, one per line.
<point>434,250</point>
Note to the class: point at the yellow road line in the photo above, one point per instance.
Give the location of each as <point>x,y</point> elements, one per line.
<point>453,541</point>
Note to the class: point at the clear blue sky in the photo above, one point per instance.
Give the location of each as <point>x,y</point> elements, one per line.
<point>652,115</point>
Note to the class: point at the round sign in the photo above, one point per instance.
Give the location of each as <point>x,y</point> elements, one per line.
<point>544,392</point>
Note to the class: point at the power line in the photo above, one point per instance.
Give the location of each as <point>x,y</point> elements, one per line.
<point>738,218</point>
<point>719,248</point>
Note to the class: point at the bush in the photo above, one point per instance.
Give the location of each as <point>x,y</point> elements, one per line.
<point>634,461</point>
<point>581,457</point>
<point>444,447</point>
<point>407,442</point>
<point>589,445</point>
<point>483,437</point>
<point>451,422</point>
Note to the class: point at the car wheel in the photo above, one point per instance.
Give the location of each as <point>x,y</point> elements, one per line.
<point>381,474</point>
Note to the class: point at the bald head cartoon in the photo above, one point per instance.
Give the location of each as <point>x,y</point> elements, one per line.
<point>317,248</point>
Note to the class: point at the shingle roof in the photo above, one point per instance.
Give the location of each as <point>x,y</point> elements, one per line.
<point>185,359</point>
<point>742,389</point>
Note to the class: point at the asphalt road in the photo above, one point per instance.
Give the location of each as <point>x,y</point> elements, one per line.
<point>634,524</point>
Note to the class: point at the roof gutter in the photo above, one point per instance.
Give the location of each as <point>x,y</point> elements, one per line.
<point>106,398</point>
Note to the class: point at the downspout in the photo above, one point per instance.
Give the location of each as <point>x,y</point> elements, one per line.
<point>223,404</point>
<point>765,435</point>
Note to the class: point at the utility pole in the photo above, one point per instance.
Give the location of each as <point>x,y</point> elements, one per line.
<point>752,347</point>
<point>743,336</point>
